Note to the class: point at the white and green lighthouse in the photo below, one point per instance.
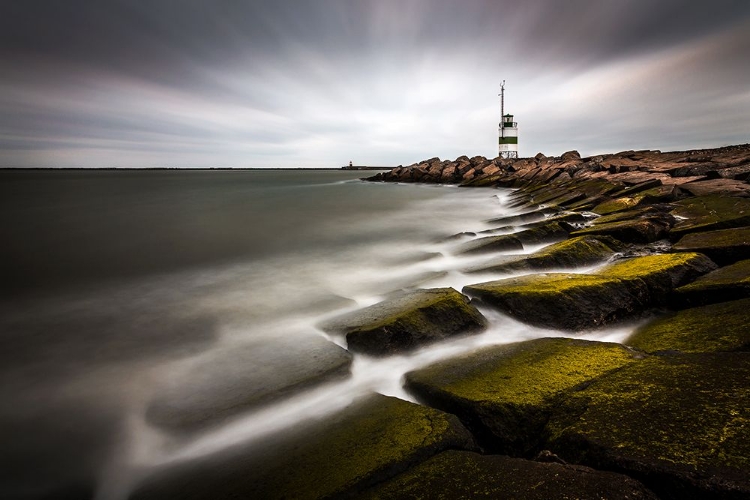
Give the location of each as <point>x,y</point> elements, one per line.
<point>508,137</point>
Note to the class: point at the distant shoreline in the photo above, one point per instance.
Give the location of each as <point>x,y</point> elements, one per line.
<point>193,169</point>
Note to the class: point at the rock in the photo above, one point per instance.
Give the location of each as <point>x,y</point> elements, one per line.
<point>644,230</point>
<point>505,394</point>
<point>662,273</point>
<point>465,475</point>
<point>224,382</point>
<point>637,188</point>
<point>524,218</point>
<point>712,328</point>
<point>678,424</point>
<point>584,301</point>
<point>616,205</point>
<point>723,246</point>
<point>563,301</point>
<point>709,213</point>
<point>727,283</point>
<point>407,321</point>
<point>638,213</point>
<point>368,442</point>
<point>487,244</point>
<point>547,233</point>
<point>571,155</point>
<point>574,252</point>
<point>725,187</point>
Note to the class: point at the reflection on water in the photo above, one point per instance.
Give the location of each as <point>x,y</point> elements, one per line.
<point>122,285</point>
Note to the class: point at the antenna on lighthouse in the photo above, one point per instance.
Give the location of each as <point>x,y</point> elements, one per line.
<point>508,140</point>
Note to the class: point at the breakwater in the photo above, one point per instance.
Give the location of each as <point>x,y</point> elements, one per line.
<point>656,238</point>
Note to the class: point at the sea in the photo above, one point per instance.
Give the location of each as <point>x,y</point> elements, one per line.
<point>119,285</point>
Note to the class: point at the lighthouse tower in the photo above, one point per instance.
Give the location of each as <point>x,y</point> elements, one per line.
<point>508,142</point>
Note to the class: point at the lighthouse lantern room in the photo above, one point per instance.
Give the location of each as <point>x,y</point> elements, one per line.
<point>508,136</point>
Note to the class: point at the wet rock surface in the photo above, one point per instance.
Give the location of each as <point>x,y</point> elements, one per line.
<point>372,440</point>
<point>724,245</point>
<point>407,321</point>
<point>505,394</point>
<point>681,424</point>
<point>727,283</point>
<point>465,475</point>
<point>716,327</point>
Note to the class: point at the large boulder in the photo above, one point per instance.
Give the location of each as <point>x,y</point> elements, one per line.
<point>709,213</point>
<point>407,321</point>
<point>643,230</point>
<point>341,455</point>
<point>572,253</point>
<point>678,424</point>
<point>584,301</point>
<point>727,283</point>
<point>724,245</point>
<point>547,233</point>
<point>716,327</point>
<point>662,273</point>
<point>463,475</point>
<point>563,301</point>
<point>227,381</point>
<point>505,394</point>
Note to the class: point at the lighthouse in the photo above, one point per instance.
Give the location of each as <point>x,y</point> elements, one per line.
<point>508,136</point>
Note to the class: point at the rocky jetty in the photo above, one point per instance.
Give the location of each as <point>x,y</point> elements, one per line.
<point>661,238</point>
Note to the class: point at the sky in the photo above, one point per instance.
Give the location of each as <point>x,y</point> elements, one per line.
<point>319,83</point>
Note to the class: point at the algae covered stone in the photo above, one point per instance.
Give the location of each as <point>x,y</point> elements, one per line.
<point>504,394</point>
<point>726,283</point>
<point>724,246</point>
<point>644,230</point>
<point>407,321</point>
<point>718,327</point>
<point>661,273</point>
<point>680,424</point>
<point>370,441</point>
<point>463,475</point>
<point>571,253</point>
<point>564,301</point>
<point>708,213</point>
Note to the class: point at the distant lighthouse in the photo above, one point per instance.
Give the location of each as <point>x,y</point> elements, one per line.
<point>508,141</point>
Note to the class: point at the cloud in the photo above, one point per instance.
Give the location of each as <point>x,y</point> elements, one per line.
<point>316,83</point>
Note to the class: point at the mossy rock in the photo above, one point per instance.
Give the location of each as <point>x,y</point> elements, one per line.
<point>503,394</point>
<point>572,253</point>
<point>637,213</point>
<point>679,424</point>
<point>406,321</point>
<point>524,218</point>
<point>616,205</point>
<point>662,272</point>
<point>225,382</point>
<point>644,230</point>
<point>708,213</point>
<point>564,301</point>
<point>368,442</point>
<point>724,246</point>
<point>487,244</point>
<point>463,475</point>
<point>639,188</point>
<point>712,328</point>
<point>726,283</point>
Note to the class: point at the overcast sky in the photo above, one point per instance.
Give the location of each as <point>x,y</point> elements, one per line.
<point>188,83</point>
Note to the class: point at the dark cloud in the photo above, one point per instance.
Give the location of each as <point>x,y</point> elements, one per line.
<point>310,73</point>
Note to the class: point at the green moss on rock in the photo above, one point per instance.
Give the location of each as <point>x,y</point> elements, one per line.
<point>572,253</point>
<point>679,424</point>
<point>724,246</point>
<point>616,205</point>
<point>716,327</point>
<point>644,230</point>
<point>372,440</point>
<point>406,321</point>
<point>709,213</point>
<point>726,283</point>
<point>504,393</point>
<point>457,475</point>
<point>564,301</point>
<point>662,272</point>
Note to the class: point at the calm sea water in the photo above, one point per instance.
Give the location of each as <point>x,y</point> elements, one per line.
<point>115,281</point>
